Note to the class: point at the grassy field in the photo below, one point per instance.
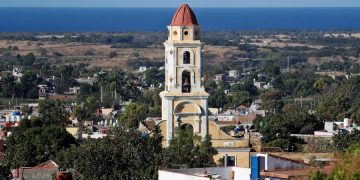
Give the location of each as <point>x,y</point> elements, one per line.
<point>75,53</point>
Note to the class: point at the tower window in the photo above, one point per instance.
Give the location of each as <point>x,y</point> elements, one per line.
<point>186,33</point>
<point>186,82</point>
<point>175,33</point>
<point>186,57</point>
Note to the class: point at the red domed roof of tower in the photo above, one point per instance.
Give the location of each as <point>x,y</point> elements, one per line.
<point>184,16</point>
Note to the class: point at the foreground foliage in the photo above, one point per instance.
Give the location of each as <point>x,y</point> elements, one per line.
<point>187,150</point>
<point>124,154</point>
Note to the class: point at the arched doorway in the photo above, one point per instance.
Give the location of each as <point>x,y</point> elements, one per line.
<point>186,82</point>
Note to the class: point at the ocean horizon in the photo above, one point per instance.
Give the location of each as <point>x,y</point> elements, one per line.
<point>16,19</point>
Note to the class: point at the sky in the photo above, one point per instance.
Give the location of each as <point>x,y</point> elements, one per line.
<point>176,3</point>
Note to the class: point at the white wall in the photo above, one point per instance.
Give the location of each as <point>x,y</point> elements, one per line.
<point>167,175</point>
<point>190,174</point>
<point>242,173</point>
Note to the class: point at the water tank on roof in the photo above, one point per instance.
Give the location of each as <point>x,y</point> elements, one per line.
<point>16,113</point>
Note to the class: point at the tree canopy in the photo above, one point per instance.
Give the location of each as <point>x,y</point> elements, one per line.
<point>29,145</point>
<point>188,150</point>
<point>124,154</point>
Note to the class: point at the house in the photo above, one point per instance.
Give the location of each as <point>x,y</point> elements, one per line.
<point>219,77</point>
<point>73,91</point>
<point>17,73</point>
<point>262,85</point>
<point>74,131</point>
<point>256,107</point>
<point>142,69</point>
<point>331,128</point>
<point>242,110</point>
<point>263,166</point>
<point>43,171</point>
<point>88,80</point>
<point>213,111</point>
<point>234,73</point>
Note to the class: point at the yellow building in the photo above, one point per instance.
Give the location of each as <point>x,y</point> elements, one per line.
<point>184,100</point>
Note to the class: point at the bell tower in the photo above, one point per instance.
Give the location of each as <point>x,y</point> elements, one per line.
<point>184,100</point>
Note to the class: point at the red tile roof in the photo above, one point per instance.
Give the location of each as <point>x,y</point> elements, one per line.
<point>288,173</point>
<point>184,16</point>
<point>47,164</point>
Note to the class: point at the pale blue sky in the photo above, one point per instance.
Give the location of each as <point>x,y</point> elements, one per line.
<point>175,3</point>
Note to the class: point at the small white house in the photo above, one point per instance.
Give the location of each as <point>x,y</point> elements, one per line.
<point>234,73</point>
<point>142,69</point>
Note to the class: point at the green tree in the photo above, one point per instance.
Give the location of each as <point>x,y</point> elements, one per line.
<point>28,60</point>
<point>7,86</point>
<point>152,76</point>
<point>343,139</point>
<point>124,154</point>
<point>272,70</point>
<point>187,150</point>
<point>65,78</point>
<point>277,128</point>
<point>29,146</point>
<point>133,115</point>
<point>52,112</point>
<point>4,170</point>
<point>153,100</point>
<point>28,85</point>
<point>237,98</point>
<point>26,110</point>
<point>349,166</point>
<point>85,112</point>
<point>217,98</point>
<point>85,91</point>
<point>272,100</point>
<point>304,122</point>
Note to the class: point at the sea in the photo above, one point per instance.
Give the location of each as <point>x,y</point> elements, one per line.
<point>156,19</point>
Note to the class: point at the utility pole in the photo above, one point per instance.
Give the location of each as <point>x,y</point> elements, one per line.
<point>115,92</point>
<point>101,93</point>
<point>288,64</point>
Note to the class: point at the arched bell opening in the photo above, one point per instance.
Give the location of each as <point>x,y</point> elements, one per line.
<point>186,57</point>
<point>186,82</point>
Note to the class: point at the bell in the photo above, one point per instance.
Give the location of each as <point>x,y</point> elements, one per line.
<point>186,82</point>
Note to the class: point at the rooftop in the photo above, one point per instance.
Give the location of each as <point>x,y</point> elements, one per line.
<point>184,16</point>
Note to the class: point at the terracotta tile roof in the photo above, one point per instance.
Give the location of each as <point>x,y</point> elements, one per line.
<point>47,164</point>
<point>245,119</point>
<point>288,173</point>
<point>288,159</point>
<point>241,107</point>
<point>239,119</point>
<point>271,149</point>
<point>184,16</point>
<point>61,97</point>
